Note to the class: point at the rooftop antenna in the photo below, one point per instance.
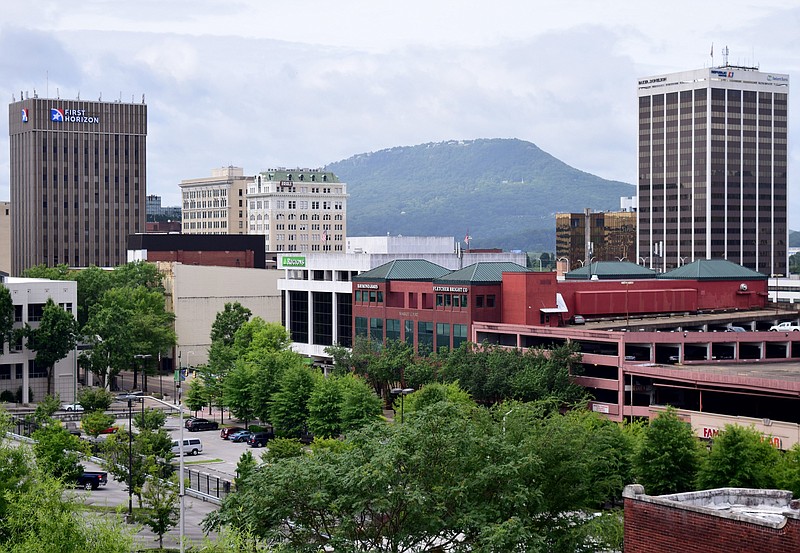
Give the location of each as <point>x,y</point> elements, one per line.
<point>47,80</point>
<point>100,99</point>
<point>712,54</point>
<point>58,93</point>
<point>143,97</point>
<point>725,53</point>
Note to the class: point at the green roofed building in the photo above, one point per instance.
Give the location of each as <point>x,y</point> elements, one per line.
<point>610,270</point>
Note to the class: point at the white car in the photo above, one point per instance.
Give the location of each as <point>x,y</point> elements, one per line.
<point>785,327</point>
<point>72,407</point>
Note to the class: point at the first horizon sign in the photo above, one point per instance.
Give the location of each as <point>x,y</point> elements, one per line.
<point>293,261</point>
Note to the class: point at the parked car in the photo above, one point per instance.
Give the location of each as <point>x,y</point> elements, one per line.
<point>785,327</point>
<point>201,424</point>
<point>732,328</point>
<point>577,320</point>
<point>260,439</point>
<point>192,446</point>
<point>225,433</point>
<point>72,407</point>
<point>240,436</point>
<point>110,430</point>
<point>91,480</point>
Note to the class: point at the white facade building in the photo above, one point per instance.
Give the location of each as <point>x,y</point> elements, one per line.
<point>298,210</point>
<point>317,287</point>
<point>18,371</point>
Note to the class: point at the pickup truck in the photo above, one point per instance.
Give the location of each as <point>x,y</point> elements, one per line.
<point>785,327</point>
<point>91,480</point>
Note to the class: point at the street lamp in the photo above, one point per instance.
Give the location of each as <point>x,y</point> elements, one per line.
<point>626,284</point>
<point>402,392</point>
<point>130,399</point>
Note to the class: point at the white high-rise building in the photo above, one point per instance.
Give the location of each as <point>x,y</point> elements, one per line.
<point>712,179</point>
<point>298,210</point>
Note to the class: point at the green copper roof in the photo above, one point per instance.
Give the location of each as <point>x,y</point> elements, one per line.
<point>404,269</point>
<point>483,272</point>
<point>712,269</point>
<point>300,175</point>
<point>611,270</point>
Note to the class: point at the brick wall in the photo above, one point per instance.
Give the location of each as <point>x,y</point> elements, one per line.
<point>655,528</point>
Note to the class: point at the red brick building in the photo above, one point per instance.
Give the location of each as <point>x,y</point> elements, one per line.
<point>726,520</point>
<point>220,250</point>
<point>426,305</point>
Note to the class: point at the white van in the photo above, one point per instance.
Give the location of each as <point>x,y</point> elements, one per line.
<point>192,446</point>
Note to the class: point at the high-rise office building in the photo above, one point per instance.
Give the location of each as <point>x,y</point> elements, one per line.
<point>215,204</point>
<point>611,236</point>
<point>78,181</point>
<point>299,210</point>
<point>712,168</point>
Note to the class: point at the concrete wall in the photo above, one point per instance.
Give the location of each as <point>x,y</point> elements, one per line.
<point>400,244</point>
<point>197,293</point>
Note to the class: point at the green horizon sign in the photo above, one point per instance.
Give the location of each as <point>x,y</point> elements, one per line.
<point>293,261</point>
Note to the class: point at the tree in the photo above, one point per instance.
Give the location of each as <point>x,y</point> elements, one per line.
<point>95,399</point>
<point>59,272</point>
<point>160,500</point>
<point>360,406</point>
<point>228,322</point>
<point>325,407</point>
<point>739,458</point>
<point>57,451</point>
<point>149,419</point>
<point>289,405</point>
<point>195,395</point>
<point>238,391</point>
<point>668,458</point>
<point>16,477</point>
<point>93,282</point>
<point>53,339</point>
<point>96,422</point>
<point>46,408</point>
<point>148,448</point>
<point>138,274</point>
<point>6,315</point>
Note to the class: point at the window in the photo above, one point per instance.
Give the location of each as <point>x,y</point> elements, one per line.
<point>376,329</point>
<point>459,335</point>
<point>409,331</point>
<point>358,296</point>
<point>439,300</point>
<point>36,372</point>
<point>442,336</point>
<point>392,329</point>
<point>424,337</point>
<point>490,300</point>
<point>5,372</point>
<point>35,311</point>
<point>361,326</point>
<point>380,296</point>
<point>479,301</point>
<point>464,300</point>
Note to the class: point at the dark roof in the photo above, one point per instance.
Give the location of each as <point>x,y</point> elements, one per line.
<point>160,242</point>
<point>712,269</point>
<point>483,272</point>
<point>404,269</point>
<point>610,270</point>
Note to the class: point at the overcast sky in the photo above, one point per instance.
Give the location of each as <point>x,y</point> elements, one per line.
<point>264,83</point>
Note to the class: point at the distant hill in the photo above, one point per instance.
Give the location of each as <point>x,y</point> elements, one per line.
<point>504,192</point>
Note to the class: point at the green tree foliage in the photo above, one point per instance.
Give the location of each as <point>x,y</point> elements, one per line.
<point>93,282</point>
<point>95,399</point>
<point>668,457</point>
<point>42,519</point>
<point>160,502</point>
<point>431,394</point>
<point>788,473</point>
<point>794,264</point>
<point>283,448</point>
<point>289,405</point>
<point>95,422</point>
<point>740,458</point>
<point>6,315</point>
<point>46,408</point>
<point>57,452</point>
<point>16,478</point>
<point>325,407</point>
<point>238,391</point>
<point>228,322</point>
<point>53,339</point>
<point>59,272</point>
<point>138,274</point>
<point>195,398</point>
<point>360,405</point>
<point>452,476</point>
<point>127,322</point>
<point>149,419</point>
<point>148,449</point>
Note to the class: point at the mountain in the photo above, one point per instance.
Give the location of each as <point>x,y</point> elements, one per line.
<point>503,192</point>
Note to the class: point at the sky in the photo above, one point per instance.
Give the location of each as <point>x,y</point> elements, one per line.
<point>260,84</point>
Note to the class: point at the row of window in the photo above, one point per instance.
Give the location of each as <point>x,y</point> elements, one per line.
<point>33,371</point>
<point>369,296</point>
<point>446,336</point>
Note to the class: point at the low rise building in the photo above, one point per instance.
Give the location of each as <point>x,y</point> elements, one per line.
<point>19,373</point>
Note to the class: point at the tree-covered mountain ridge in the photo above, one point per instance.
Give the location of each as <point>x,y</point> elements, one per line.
<point>503,192</point>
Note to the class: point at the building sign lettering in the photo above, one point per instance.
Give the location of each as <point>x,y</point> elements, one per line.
<point>409,314</point>
<point>293,261</point>
<point>459,289</point>
<point>367,286</point>
<point>61,115</point>
<point>719,73</point>
<point>653,80</point>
